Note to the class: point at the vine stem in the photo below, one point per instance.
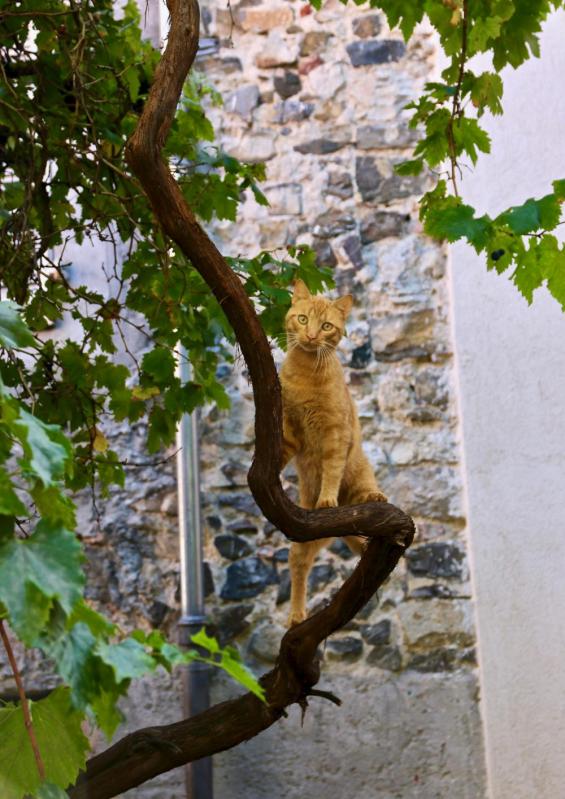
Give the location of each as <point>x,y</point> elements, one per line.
<point>24,700</point>
<point>456,107</point>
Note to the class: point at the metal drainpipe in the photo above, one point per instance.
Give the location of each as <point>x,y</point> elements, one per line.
<point>195,675</point>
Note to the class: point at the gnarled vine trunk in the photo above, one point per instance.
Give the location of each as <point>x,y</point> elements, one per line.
<point>154,750</point>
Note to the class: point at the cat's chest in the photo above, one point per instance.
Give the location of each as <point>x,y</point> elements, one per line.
<point>308,406</point>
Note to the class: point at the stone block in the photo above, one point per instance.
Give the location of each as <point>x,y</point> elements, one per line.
<point>321,146</point>
<point>292,111</point>
<point>284,199</point>
<point>340,185</point>
<point>361,356</point>
<point>247,578</point>
<point>376,634</point>
<point>287,84</point>
<point>368,177</point>
<point>381,225</point>
<point>313,42</point>
<point>263,18</point>
<point>432,491</point>
<point>367,26</point>
<point>435,623</point>
<point>437,559</point>
<point>403,335</point>
<point>243,101</point>
<point>340,548</point>
<point>376,183</point>
<point>277,52</point>
<point>325,255</point>
<point>333,223</point>
<point>232,547</point>
<point>385,657</point>
<point>252,148</point>
<point>353,250</point>
<point>283,594</point>
<point>265,641</point>
<point>321,574</point>
<point>386,136</point>
<point>325,82</point>
<point>375,51</point>
<point>348,648</point>
<point>231,621</point>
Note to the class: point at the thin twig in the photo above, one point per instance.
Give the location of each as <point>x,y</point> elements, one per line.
<point>456,107</point>
<point>24,701</point>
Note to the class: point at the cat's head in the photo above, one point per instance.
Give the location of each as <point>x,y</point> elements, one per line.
<point>316,323</point>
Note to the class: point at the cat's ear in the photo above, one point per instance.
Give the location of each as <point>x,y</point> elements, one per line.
<point>344,304</point>
<point>300,291</point>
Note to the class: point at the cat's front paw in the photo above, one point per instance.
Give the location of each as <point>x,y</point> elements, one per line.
<point>376,496</point>
<point>327,502</point>
<point>296,617</point>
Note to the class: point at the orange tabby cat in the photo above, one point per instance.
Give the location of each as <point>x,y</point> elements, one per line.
<point>320,426</point>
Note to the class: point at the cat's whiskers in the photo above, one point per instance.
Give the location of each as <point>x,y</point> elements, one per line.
<point>291,340</point>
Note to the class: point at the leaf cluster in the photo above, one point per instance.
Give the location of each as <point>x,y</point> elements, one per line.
<point>448,117</point>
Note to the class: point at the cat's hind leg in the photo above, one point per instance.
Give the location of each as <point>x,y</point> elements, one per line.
<point>300,561</point>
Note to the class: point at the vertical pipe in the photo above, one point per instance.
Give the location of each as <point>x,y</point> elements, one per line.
<point>195,675</point>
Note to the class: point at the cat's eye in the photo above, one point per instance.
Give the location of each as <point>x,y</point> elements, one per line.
<point>327,326</point>
<point>302,319</point>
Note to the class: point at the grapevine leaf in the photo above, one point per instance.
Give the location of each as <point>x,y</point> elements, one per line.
<point>450,219</point>
<point>50,791</point>
<point>486,92</point>
<point>528,275</point>
<point>533,215</point>
<point>128,659</point>
<point>10,504</point>
<point>559,189</point>
<point>13,330</point>
<point>552,262</point>
<point>35,572</point>
<point>232,665</point>
<point>60,741</point>
<point>470,137</point>
<point>46,449</point>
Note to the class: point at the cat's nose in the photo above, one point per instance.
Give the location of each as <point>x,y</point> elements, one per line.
<point>310,338</point>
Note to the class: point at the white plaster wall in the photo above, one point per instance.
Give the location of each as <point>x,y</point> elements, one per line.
<point>511,366</point>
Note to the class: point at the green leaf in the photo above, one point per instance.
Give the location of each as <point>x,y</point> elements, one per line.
<point>486,92</point>
<point>232,665</point>
<point>450,219</point>
<point>160,365</point>
<point>413,167</point>
<point>10,504</point>
<point>559,189</point>
<point>128,659</point>
<point>533,215</point>
<point>50,791</point>
<point>551,259</point>
<point>96,623</point>
<point>201,638</point>
<point>46,449</point>
<point>60,740</point>
<point>528,275</point>
<point>470,137</point>
<point>229,660</point>
<point>13,331</point>
<point>36,571</point>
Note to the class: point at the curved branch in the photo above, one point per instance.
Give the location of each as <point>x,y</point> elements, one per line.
<point>146,753</point>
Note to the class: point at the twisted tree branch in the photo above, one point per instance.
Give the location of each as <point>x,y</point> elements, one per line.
<point>146,753</point>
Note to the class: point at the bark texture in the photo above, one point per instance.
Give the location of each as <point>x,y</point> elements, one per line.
<point>152,751</point>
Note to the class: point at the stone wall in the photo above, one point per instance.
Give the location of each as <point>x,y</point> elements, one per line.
<point>319,97</point>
